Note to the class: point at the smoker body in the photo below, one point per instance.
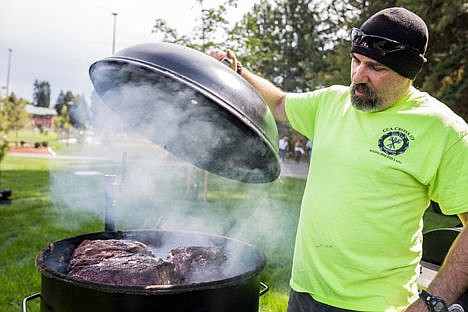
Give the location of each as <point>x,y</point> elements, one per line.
<point>239,291</point>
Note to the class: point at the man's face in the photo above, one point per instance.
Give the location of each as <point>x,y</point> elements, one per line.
<point>375,87</point>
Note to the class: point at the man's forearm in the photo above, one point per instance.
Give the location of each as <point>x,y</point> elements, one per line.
<point>271,94</point>
<point>452,279</point>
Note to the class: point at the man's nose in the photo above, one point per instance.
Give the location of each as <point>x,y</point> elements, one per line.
<point>360,74</point>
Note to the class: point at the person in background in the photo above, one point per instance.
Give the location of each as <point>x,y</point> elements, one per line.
<point>358,242</point>
<point>298,150</point>
<point>309,150</point>
<point>283,146</point>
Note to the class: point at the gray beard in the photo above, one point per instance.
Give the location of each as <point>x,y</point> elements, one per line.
<point>367,102</point>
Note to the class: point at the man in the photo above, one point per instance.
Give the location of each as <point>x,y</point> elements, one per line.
<point>283,146</point>
<point>309,145</point>
<point>382,151</point>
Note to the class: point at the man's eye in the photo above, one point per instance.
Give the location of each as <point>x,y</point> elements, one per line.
<point>378,68</point>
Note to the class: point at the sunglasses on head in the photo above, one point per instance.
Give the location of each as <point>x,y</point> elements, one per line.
<point>379,44</point>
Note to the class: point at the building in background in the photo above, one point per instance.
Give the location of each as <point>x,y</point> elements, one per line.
<point>42,117</point>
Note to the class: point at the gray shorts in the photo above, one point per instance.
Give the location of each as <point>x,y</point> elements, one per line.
<point>303,302</point>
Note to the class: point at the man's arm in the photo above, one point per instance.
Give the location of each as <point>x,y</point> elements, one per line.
<point>452,279</point>
<point>272,95</point>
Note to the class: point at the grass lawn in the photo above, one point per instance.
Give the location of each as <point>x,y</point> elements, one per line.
<point>56,199</point>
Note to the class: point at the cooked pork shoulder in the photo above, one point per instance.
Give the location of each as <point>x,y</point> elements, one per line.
<point>131,263</point>
<point>198,263</point>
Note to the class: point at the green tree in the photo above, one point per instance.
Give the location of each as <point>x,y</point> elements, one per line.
<point>169,34</point>
<point>288,42</point>
<point>293,42</point>
<point>41,93</point>
<point>62,121</point>
<point>444,75</point>
<point>210,33</point>
<point>14,114</point>
<point>283,41</point>
<point>302,45</point>
<point>3,116</point>
<point>64,98</point>
<point>213,25</point>
<point>76,109</point>
<point>79,113</point>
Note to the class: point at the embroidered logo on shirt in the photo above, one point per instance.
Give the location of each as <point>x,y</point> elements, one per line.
<point>394,143</point>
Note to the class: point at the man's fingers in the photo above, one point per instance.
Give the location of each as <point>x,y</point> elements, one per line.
<point>230,54</point>
<point>218,54</point>
<point>228,57</point>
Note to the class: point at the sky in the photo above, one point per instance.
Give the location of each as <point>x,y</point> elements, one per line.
<point>57,40</point>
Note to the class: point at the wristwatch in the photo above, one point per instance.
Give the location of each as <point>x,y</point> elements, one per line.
<point>434,303</point>
<point>456,308</point>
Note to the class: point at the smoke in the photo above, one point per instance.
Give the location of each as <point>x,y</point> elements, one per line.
<point>149,133</point>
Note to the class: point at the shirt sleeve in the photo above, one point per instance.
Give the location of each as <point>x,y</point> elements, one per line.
<point>301,109</point>
<point>449,186</point>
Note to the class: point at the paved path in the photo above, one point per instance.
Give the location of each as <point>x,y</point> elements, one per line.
<point>288,169</point>
<point>296,170</point>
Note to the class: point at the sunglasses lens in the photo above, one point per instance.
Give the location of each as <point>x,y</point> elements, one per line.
<point>380,44</point>
<point>356,35</point>
<point>384,46</point>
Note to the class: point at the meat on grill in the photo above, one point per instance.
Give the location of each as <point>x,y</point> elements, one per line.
<point>198,263</point>
<point>95,251</point>
<point>133,270</point>
<point>120,262</point>
<point>131,263</point>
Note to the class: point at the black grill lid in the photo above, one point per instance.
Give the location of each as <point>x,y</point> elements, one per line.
<point>193,106</point>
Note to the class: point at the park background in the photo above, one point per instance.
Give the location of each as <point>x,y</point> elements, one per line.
<point>299,45</point>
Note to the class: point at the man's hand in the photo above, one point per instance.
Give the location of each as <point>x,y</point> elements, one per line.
<point>218,54</point>
<point>273,96</point>
<point>229,54</point>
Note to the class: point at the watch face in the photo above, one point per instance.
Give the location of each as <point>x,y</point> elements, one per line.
<point>439,307</point>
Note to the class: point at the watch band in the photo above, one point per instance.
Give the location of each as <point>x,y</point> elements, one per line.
<point>456,308</point>
<point>239,68</point>
<point>433,303</point>
<point>227,61</point>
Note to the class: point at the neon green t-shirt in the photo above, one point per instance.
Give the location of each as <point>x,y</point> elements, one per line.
<point>371,177</point>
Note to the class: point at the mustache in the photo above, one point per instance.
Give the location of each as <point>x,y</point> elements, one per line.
<point>362,88</point>
<point>366,100</point>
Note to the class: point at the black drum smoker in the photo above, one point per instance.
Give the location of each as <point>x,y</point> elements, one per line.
<point>238,290</point>
<point>169,93</point>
